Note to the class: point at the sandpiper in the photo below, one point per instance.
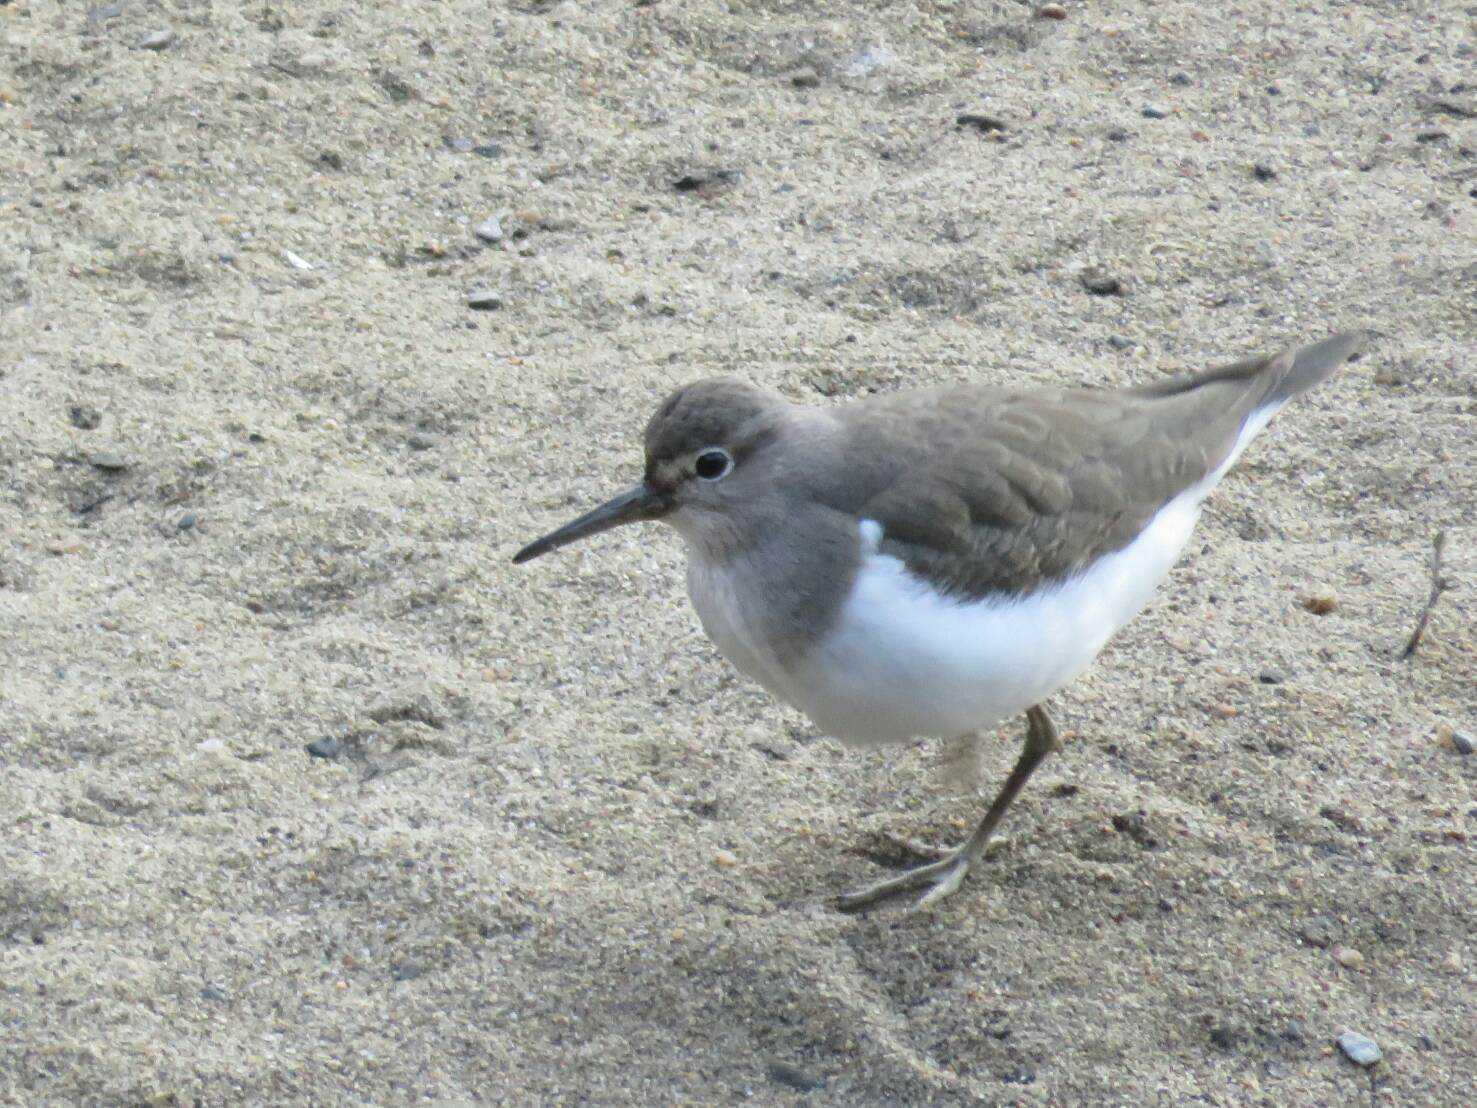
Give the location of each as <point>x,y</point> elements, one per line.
<point>930,563</point>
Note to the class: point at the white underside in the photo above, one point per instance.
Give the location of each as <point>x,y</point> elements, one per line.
<point>905,661</point>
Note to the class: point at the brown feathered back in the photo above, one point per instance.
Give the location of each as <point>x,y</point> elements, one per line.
<point>985,490</point>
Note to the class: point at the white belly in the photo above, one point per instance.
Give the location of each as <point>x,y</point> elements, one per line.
<point>905,661</point>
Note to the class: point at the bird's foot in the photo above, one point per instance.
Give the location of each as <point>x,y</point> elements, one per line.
<point>941,877</point>
<point>938,878</point>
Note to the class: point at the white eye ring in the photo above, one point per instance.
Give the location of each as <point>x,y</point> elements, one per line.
<point>713,464</point>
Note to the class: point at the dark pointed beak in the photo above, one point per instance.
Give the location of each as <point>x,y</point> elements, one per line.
<point>632,506</point>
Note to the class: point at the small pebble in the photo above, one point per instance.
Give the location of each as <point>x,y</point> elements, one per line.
<point>1181,79</point>
<point>706,182</point>
<point>1155,111</point>
<point>487,150</point>
<point>186,522</point>
<point>84,417</point>
<point>1360,1050</point>
<point>1320,603</point>
<point>1263,172</point>
<point>484,300</point>
<point>725,860</point>
<point>156,40</point>
<point>1101,283</point>
<point>109,460</point>
<point>489,230</point>
<point>1051,11</point>
<point>1320,931</point>
<point>215,993</point>
<point>1224,711</point>
<point>458,145</point>
<point>211,746</point>
<point>325,748</point>
<point>805,78</point>
<point>1348,957</point>
<point>1461,742</point>
<point>984,124</point>
<point>421,441</point>
<point>783,1073</point>
<point>1270,677</point>
<point>1118,342</point>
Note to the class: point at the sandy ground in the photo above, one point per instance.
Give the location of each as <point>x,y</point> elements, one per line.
<point>261,469</point>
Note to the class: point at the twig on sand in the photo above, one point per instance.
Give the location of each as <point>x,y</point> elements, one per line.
<point>1439,585</point>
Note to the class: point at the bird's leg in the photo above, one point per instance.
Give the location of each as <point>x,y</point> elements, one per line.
<point>946,874</point>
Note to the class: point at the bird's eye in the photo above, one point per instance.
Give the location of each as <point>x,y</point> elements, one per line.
<point>713,464</point>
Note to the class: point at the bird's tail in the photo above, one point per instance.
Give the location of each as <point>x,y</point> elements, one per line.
<point>1240,398</point>
<point>1266,381</point>
<point>1312,364</point>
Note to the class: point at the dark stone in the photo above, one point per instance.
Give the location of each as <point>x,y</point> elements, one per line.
<point>984,124</point>
<point>1101,283</point>
<point>84,417</point>
<point>783,1073</point>
<point>325,748</point>
<point>706,180</point>
<point>1263,172</point>
<point>1224,1038</point>
<point>1460,108</point>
